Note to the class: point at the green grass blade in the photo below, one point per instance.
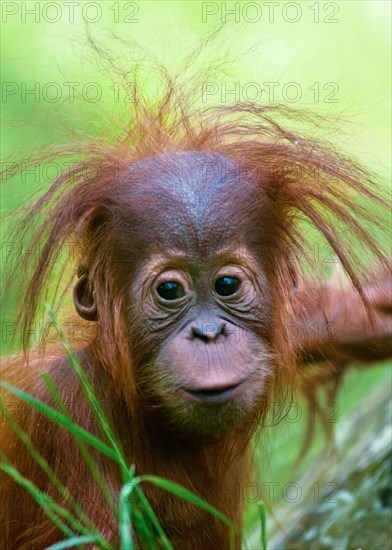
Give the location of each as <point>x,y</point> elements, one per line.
<point>232,545</point>
<point>52,509</point>
<point>164,541</point>
<point>125,517</point>
<point>72,542</point>
<point>263,525</point>
<point>64,492</point>
<point>62,420</point>
<point>101,417</point>
<point>146,535</point>
<point>80,443</point>
<point>188,495</point>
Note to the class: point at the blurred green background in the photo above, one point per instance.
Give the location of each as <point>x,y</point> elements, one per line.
<point>333,57</point>
<point>330,57</point>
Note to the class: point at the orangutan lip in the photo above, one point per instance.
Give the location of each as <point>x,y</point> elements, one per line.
<point>212,397</point>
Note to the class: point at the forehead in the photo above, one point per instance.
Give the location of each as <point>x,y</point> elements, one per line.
<point>189,199</point>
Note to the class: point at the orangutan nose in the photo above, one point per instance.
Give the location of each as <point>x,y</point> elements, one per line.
<point>209,331</point>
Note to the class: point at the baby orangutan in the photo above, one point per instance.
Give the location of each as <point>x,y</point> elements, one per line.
<point>188,232</point>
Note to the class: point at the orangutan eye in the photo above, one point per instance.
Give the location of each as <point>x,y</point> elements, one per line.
<point>170,290</point>
<point>227,286</point>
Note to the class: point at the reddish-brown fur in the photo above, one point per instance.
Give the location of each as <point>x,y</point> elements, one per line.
<point>333,331</point>
<point>297,178</point>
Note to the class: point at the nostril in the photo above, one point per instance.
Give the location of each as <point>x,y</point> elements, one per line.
<point>208,331</point>
<point>202,334</point>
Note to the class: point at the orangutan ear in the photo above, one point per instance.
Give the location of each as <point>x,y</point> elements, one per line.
<point>84,297</point>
